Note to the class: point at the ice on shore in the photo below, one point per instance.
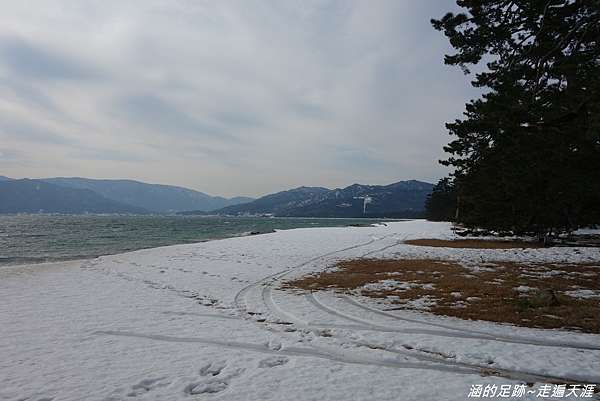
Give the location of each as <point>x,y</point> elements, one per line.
<point>209,321</point>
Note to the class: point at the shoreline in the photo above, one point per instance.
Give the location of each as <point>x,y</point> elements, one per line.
<point>237,235</point>
<point>47,265</point>
<point>79,259</point>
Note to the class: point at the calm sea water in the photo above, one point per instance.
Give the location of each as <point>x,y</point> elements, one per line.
<point>42,238</point>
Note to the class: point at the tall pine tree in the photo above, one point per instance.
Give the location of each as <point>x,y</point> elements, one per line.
<point>527,154</point>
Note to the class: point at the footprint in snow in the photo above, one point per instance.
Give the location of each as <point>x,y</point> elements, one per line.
<point>147,385</point>
<point>216,377</point>
<point>213,369</point>
<point>274,345</point>
<point>273,361</point>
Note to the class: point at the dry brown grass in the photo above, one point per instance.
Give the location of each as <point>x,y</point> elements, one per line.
<point>487,292</point>
<point>473,243</point>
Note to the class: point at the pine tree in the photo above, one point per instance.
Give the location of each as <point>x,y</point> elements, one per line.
<point>441,202</point>
<point>527,154</point>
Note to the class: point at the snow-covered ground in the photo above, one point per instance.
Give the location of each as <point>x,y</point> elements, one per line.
<point>210,321</point>
<point>587,231</point>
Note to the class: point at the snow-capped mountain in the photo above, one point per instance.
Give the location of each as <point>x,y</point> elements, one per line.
<point>400,199</point>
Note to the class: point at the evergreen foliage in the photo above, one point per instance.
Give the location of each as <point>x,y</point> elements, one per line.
<point>527,153</point>
<point>441,202</point>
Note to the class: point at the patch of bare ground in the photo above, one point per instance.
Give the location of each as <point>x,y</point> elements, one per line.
<point>473,243</point>
<point>542,295</point>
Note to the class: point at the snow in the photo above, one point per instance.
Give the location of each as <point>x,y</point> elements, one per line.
<point>422,303</point>
<point>211,321</point>
<point>389,284</point>
<point>584,294</point>
<point>383,285</point>
<point>587,231</point>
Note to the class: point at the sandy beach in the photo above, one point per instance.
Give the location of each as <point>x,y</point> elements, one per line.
<point>211,321</point>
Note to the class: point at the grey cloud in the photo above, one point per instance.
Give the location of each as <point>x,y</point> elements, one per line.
<point>28,132</point>
<point>359,158</point>
<point>309,110</point>
<point>157,114</point>
<point>13,158</point>
<point>33,61</point>
<point>30,95</point>
<point>107,155</point>
<point>9,154</point>
<point>239,119</point>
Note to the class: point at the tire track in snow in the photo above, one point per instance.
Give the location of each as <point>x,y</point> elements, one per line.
<point>454,332</point>
<point>367,325</point>
<point>290,351</point>
<point>525,376</point>
<point>361,326</point>
<point>398,242</point>
<point>267,298</point>
<point>476,334</point>
<point>419,356</point>
<point>267,283</point>
<point>267,295</point>
<point>211,315</point>
<point>465,333</point>
<point>335,355</point>
<point>241,295</point>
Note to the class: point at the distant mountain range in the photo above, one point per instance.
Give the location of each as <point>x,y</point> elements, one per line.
<point>404,199</point>
<point>35,196</point>
<point>81,195</point>
<point>155,198</point>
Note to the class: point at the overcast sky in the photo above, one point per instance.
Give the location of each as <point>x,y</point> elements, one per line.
<point>226,97</point>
